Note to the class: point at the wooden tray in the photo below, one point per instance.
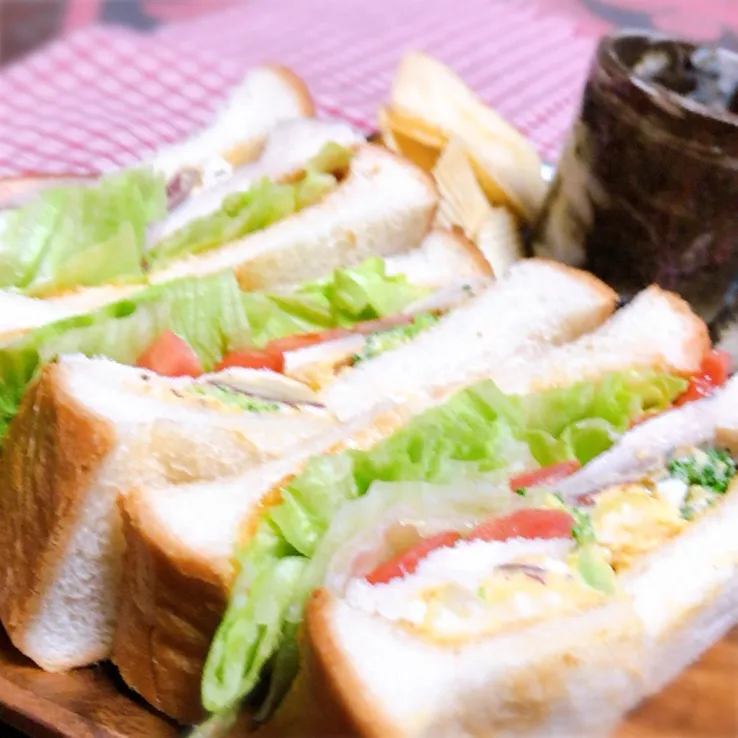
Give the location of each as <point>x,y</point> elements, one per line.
<point>93,703</point>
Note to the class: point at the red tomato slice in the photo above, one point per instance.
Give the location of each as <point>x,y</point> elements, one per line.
<point>716,367</point>
<point>407,562</point>
<point>303,340</point>
<point>699,387</point>
<point>714,372</point>
<point>552,473</point>
<point>525,524</point>
<point>252,359</point>
<point>170,356</point>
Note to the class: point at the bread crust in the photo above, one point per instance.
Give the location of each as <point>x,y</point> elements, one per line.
<point>173,598</point>
<point>170,607</point>
<point>53,451</point>
<point>299,87</point>
<point>334,678</point>
<point>473,251</point>
<point>15,191</point>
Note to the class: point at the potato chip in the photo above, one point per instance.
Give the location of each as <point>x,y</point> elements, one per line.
<point>411,138</point>
<point>463,202</point>
<point>500,240</point>
<point>429,102</point>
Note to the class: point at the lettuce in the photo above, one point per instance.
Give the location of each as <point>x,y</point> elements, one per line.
<point>207,313</point>
<point>348,296</point>
<point>260,206</point>
<point>474,436</point>
<point>81,236</point>
<point>211,313</point>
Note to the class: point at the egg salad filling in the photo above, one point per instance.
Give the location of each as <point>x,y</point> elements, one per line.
<point>627,521</point>
<point>540,562</point>
<point>480,587</point>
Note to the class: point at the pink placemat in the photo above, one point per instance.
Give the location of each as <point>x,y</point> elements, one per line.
<point>105,96</point>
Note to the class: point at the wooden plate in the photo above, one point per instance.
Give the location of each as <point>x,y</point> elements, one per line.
<point>93,703</point>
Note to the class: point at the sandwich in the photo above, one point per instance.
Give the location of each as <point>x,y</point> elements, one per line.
<point>287,149</point>
<point>266,97</point>
<point>555,613</point>
<point>129,424</point>
<point>87,431</point>
<point>341,207</point>
<point>193,325</point>
<point>599,384</point>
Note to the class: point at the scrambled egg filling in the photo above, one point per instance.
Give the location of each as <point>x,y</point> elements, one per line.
<point>631,520</point>
<point>533,580</point>
<point>518,593</point>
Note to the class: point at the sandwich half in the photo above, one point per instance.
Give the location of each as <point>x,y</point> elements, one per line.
<point>193,325</point>
<point>276,541</point>
<point>84,246</point>
<point>87,431</point>
<point>465,623</point>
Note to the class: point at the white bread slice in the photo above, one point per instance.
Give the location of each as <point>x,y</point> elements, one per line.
<point>657,331</point>
<point>381,681</point>
<point>17,191</point>
<point>265,97</point>
<point>383,205</point>
<point>538,304</point>
<point>87,430</point>
<point>288,147</point>
<point>441,256</point>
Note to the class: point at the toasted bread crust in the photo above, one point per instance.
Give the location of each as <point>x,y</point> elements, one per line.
<point>15,191</point>
<point>52,453</point>
<point>170,606</point>
<point>474,252</point>
<point>700,343</point>
<point>334,679</point>
<point>300,88</point>
<point>173,598</point>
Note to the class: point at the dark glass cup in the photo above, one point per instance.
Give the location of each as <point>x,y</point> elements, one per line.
<point>647,186</point>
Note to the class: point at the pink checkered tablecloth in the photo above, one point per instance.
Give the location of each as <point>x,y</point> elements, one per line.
<point>106,96</point>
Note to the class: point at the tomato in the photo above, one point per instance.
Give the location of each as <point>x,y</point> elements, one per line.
<point>713,373</point>
<point>303,340</point>
<point>408,561</point>
<point>716,367</point>
<point>552,473</point>
<point>170,356</point>
<point>252,359</point>
<point>526,523</point>
<point>699,387</point>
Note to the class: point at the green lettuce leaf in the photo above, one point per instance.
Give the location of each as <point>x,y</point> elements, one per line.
<point>208,313</point>
<point>475,435</point>
<point>81,236</point>
<point>260,206</point>
<point>348,296</point>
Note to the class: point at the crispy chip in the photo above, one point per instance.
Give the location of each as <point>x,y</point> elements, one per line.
<point>463,202</point>
<point>430,103</point>
<point>500,240</point>
<point>411,137</point>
